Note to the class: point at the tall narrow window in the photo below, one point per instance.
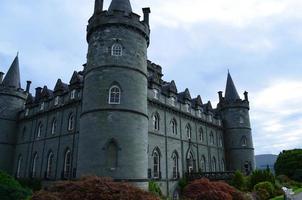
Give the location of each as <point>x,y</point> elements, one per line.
<point>173,101</point>
<point>156,164</point>
<point>71,122</point>
<point>212,138</point>
<point>203,164</point>
<point>214,164</point>
<point>73,94</point>
<point>34,166</point>
<point>241,120</point>
<point>116,50</point>
<point>19,164</point>
<point>49,170</point>
<point>175,165</point>
<point>190,162</point>
<point>156,93</point>
<point>155,119</point>
<point>56,101</point>
<point>201,135</point>
<point>53,126</point>
<point>174,127</point>
<point>26,112</point>
<point>114,95</point>
<point>222,165</point>
<point>188,107</point>
<point>42,106</point>
<point>67,164</point>
<point>189,131</point>
<point>244,141</point>
<point>112,155</point>
<point>23,133</point>
<point>39,131</point>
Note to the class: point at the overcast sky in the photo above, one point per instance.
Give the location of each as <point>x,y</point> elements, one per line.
<point>195,42</point>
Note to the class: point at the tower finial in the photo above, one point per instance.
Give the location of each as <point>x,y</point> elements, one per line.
<point>12,78</point>
<point>120,5</point>
<point>231,93</point>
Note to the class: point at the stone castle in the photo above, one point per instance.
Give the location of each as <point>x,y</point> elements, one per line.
<point>119,118</point>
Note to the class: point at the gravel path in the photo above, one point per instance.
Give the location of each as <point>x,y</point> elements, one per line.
<point>298,196</point>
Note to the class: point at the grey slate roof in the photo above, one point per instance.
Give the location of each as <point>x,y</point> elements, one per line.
<point>12,78</point>
<point>120,5</point>
<point>231,93</point>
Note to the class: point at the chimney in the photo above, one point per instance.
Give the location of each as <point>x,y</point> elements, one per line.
<point>38,94</point>
<point>1,77</point>
<point>28,86</point>
<point>220,96</point>
<point>246,96</point>
<point>146,12</point>
<point>98,6</point>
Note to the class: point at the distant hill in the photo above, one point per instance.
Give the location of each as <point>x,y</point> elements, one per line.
<point>264,160</point>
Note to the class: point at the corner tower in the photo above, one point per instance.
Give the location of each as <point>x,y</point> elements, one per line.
<point>114,122</point>
<point>238,135</point>
<point>12,100</point>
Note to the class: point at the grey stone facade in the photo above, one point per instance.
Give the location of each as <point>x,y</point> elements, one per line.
<point>119,118</point>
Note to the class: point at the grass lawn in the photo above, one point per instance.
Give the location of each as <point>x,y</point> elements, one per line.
<point>297,191</point>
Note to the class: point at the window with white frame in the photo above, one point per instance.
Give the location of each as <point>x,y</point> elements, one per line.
<point>175,165</point>
<point>19,164</point>
<point>53,126</point>
<point>116,50</point>
<point>174,127</point>
<point>34,166</point>
<point>201,134</point>
<point>189,131</point>
<point>49,170</point>
<point>173,101</point>
<point>39,131</point>
<point>67,164</point>
<point>56,101</point>
<point>155,119</point>
<point>199,113</point>
<point>220,141</point>
<point>114,95</point>
<point>42,106</point>
<point>156,93</point>
<point>73,94</point>
<point>156,164</point>
<point>112,155</point>
<point>71,122</point>
<point>210,117</point>
<point>190,162</point>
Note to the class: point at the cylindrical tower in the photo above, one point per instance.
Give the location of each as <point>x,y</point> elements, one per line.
<point>12,100</point>
<point>238,134</point>
<point>113,137</point>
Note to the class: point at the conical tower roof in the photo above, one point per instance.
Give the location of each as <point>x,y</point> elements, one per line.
<point>12,78</point>
<point>120,5</point>
<point>231,93</point>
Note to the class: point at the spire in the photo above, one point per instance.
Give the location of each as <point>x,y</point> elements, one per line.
<point>12,78</point>
<point>98,6</point>
<point>231,93</point>
<point>120,5</point>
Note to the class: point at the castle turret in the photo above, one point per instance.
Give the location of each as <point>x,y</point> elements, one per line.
<point>12,99</point>
<point>238,135</point>
<point>113,125</point>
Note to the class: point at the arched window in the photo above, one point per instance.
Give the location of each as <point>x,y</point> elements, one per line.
<point>156,163</point>
<point>67,164</point>
<point>174,127</point>
<point>214,164</point>
<point>155,119</point>
<point>39,131</point>
<point>112,155</point>
<point>175,165</point>
<point>19,164</point>
<point>241,120</point>
<point>222,165</point>
<point>190,162</point>
<point>57,98</point>
<point>220,141</point>
<point>114,95</point>
<point>212,138</point>
<point>203,165</point>
<point>156,93</point>
<point>49,170</point>
<point>116,50</point>
<point>201,135</point>
<point>173,101</point>
<point>189,131</point>
<point>34,166</point>
<point>244,141</point>
<point>70,122</point>
<point>53,126</point>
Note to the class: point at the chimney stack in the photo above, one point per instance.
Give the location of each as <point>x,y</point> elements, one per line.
<point>38,94</point>
<point>220,96</point>
<point>98,6</point>
<point>28,86</point>
<point>1,77</point>
<point>246,96</point>
<point>146,12</point>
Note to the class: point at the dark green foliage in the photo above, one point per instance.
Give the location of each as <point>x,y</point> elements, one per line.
<point>183,182</point>
<point>289,163</point>
<point>238,180</point>
<point>10,189</point>
<point>154,188</point>
<point>34,184</point>
<point>262,195</point>
<point>267,186</point>
<point>261,176</point>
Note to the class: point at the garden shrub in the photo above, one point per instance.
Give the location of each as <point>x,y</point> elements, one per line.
<point>182,183</point>
<point>92,188</point>
<point>267,186</point>
<point>262,194</point>
<point>10,189</point>
<point>154,188</point>
<point>238,180</point>
<point>261,176</point>
<point>34,184</point>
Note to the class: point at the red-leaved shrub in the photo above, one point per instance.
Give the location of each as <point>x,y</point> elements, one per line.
<point>92,188</point>
<point>206,190</point>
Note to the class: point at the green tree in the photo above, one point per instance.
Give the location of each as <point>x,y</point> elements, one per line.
<point>260,176</point>
<point>238,180</point>
<point>289,163</point>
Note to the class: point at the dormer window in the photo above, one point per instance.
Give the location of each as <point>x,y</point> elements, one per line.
<point>72,94</point>
<point>116,50</point>
<point>199,113</point>
<point>26,112</point>
<point>56,101</point>
<point>42,106</point>
<point>156,93</point>
<point>210,118</point>
<point>173,101</point>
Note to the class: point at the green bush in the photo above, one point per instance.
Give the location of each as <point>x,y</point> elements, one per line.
<point>261,176</point>
<point>182,183</point>
<point>262,194</point>
<point>238,181</point>
<point>154,188</point>
<point>267,186</point>
<point>34,184</point>
<point>10,189</point>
